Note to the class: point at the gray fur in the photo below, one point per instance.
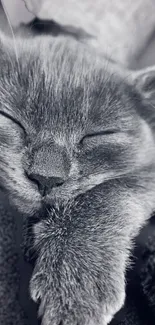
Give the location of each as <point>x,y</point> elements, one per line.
<point>66,112</point>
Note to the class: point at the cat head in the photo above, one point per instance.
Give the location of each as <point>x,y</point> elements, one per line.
<point>68,121</point>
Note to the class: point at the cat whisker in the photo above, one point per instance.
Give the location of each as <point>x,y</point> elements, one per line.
<point>7,53</point>
<point>4,91</point>
<point>12,33</point>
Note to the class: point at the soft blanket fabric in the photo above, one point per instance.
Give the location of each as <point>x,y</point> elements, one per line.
<point>11,312</point>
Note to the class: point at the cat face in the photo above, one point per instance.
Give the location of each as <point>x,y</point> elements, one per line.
<point>67,122</point>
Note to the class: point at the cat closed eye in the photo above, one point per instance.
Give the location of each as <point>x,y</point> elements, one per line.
<point>97,135</point>
<point>13,120</point>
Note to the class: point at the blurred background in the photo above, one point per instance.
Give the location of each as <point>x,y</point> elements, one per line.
<point>125,29</point>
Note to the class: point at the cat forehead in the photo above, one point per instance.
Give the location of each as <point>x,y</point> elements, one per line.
<point>60,85</point>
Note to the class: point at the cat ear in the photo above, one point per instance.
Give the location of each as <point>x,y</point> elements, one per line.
<point>144,82</point>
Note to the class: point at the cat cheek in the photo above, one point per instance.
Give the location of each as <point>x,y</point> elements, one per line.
<point>10,134</point>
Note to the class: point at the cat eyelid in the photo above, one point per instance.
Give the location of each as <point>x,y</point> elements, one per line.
<point>14,120</point>
<point>100,133</point>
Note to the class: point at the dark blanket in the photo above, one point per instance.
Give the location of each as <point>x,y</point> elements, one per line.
<point>11,312</point>
<point>139,308</point>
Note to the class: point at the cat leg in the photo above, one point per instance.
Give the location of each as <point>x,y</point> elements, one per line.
<point>84,250</point>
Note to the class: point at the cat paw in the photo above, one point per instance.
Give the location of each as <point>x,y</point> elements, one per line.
<point>73,285</point>
<point>82,309</point>
<point>109,310</point>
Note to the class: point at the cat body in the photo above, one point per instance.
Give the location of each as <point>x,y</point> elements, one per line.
<point>77,150</point>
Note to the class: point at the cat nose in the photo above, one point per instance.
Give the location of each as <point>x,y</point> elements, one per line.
<point>45,184</point>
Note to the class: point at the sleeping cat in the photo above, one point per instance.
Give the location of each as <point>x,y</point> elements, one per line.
<point>77,152</point>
